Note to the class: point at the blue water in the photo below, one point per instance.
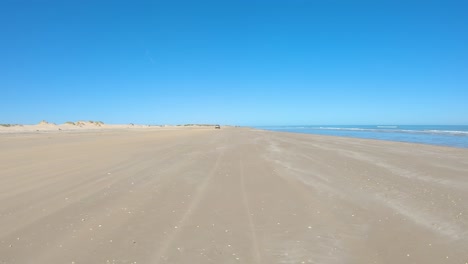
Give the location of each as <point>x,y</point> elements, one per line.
<point>453,136</point>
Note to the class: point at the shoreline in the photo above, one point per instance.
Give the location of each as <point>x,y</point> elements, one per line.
<point>67,129</point>
<point>422,139</point>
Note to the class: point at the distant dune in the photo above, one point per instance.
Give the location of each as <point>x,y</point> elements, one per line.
<point>45,126</point>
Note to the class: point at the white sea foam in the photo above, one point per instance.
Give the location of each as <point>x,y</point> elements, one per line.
<point>389,130</point>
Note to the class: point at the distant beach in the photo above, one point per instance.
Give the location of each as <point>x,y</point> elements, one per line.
<point>87,126</point>
<point>442,135</point>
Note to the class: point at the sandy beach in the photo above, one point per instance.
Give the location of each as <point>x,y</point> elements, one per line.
<point>233,195</point>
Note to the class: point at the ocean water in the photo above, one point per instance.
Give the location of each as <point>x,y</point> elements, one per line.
<point>453,136</point>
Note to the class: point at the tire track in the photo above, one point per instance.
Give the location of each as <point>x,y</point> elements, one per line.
<point>256,251</point>
<point>191,208</point>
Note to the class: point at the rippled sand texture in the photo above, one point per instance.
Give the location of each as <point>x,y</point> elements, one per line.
<point>232,195</point>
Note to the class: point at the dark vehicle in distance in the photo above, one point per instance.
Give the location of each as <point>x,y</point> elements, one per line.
<point>217,127</point>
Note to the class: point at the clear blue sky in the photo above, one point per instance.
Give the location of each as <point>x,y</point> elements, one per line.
<point>244,62</point>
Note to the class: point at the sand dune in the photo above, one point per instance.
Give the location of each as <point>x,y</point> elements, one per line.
<point>234,195</point>
<point>86,126</point>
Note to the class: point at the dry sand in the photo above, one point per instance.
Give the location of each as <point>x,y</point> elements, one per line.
<point>233,195</point>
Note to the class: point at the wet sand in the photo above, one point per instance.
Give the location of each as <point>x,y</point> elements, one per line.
<point>234,195</point>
